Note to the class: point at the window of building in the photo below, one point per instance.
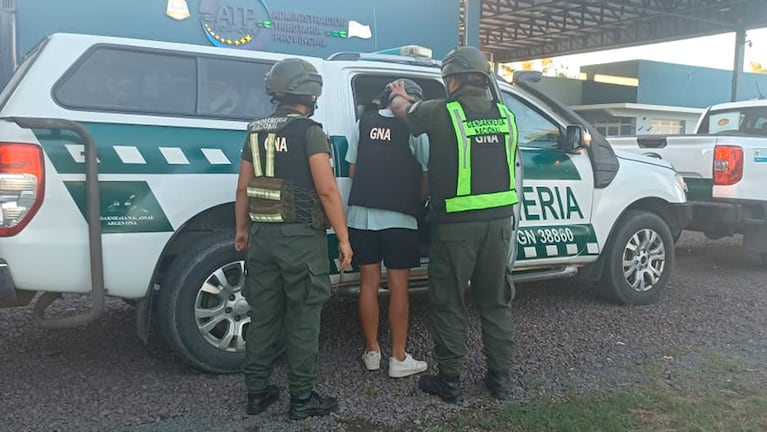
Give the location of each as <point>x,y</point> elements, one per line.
<point>667,127</point>
<point>619,126</point>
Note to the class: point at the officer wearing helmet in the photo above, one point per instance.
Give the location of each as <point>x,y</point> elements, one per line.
<point>385,200</point>
<point>286,198</point>
<point>474,179</point>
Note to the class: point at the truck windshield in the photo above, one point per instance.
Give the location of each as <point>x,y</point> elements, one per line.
<point>740,121</point>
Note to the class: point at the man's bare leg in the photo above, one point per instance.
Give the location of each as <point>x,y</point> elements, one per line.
<point>370,281</point>
<point>398,310</point>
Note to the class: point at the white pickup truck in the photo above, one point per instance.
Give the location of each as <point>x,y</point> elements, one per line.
<point>119,161</point>
<point>725,167</point>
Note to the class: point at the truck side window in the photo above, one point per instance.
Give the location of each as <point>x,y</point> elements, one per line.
<point>113,79</point>
<point>367,88</point>
<point>534,129</point>
<point>750,121</point>
<point>233,89</point>
<point>760,124</point>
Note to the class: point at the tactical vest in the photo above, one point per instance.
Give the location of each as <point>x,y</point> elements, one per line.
<point>481,183</point>
<point>283,190</point>
<point>387,176</point>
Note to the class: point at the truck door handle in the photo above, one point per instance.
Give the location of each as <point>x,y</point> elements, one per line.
<point>652,142</point>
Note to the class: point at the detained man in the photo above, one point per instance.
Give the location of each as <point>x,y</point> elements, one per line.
<point>388,167</point>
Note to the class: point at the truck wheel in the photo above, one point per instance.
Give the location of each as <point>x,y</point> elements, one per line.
<point>639,259</point>
<point>201,307</point>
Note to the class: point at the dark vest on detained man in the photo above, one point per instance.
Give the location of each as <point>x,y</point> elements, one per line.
<point>387,175</point>
<point>489,168</point>
<point>291,162</point>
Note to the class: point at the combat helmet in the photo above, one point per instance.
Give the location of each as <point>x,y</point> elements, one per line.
<point>465,60</point>
<point>293,76</point>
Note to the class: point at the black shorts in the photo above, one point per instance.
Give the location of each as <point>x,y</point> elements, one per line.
<point>397,247</point>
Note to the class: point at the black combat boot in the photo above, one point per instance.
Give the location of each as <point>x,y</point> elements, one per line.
<point>259,402</point>
<point>449,389</point>
<point>313,406</point>
<point>499,385</point>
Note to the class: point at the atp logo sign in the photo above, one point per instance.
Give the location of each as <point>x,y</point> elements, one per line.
<point>249,24</point>
<point>241,24</point>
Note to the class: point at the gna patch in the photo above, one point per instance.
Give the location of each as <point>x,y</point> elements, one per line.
<point>380,134</point>
<point>280,143</point>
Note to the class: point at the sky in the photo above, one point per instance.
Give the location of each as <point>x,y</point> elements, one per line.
<point>710,51</point>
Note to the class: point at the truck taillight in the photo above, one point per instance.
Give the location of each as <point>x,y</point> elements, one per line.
<point>21,185</point>
<point>728,165</point>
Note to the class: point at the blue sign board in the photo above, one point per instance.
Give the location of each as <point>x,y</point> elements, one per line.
<point>309,27</point>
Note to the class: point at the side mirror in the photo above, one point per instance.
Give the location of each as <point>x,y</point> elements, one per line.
<point>576,138</point>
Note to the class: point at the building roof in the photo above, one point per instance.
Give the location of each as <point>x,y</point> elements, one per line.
<point>515,30</point>
<point>637,107</point>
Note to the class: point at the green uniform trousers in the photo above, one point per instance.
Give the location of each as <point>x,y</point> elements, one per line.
<point>476,252</point>
<point>287,285</point>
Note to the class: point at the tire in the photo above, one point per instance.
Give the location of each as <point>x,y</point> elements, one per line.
<point>651,260</point>
<point>197,312</point>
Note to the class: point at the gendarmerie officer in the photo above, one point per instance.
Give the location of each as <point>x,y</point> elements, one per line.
<point>473,169</point>
<point>286,195</point>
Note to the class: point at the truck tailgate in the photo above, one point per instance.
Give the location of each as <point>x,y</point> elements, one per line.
<point>691,155</point>
<point>751,186</point>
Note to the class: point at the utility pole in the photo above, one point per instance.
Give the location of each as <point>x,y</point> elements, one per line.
<point>472,10</point>
<point>740,59</point>
<point>8,55</point>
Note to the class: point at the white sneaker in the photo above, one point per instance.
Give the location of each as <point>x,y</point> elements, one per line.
<point>407,367</point>
<point>372,360</point>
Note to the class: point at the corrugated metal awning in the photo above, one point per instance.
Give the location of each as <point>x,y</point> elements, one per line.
<point>515,30</point>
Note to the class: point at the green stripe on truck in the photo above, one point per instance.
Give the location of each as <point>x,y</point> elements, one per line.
<point>142,149</point>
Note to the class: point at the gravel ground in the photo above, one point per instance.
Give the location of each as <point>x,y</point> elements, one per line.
<point>101,378</point>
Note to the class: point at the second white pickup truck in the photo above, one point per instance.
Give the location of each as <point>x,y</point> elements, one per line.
<point>725,167</point>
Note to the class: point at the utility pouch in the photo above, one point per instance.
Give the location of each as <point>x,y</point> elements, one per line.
<point>320,220</point>
<point>271,200</point>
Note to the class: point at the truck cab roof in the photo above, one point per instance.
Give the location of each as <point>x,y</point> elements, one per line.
<point>739,104</point>
<point>409,55</point>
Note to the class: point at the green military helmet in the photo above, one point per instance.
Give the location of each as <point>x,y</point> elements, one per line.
<point>466,59</point>
<point>293,76</point>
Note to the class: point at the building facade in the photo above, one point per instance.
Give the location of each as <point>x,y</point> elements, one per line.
<point>303,27</point>
<point>643,97</point>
